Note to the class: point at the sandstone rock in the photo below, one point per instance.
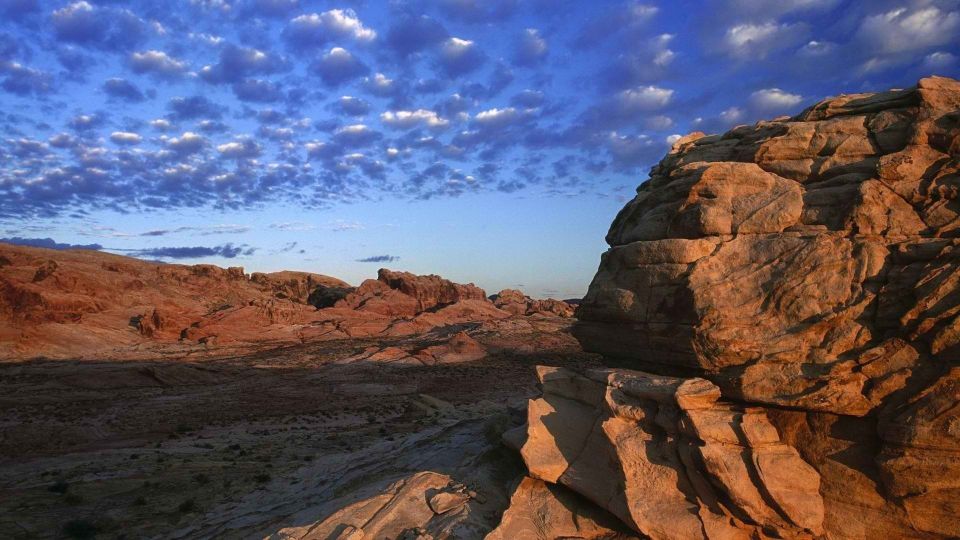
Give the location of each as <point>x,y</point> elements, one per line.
<point>775,258</point>
<point>808,267</point>
<point>669,457</point>
<point>541,511</point>
<point>445,501</point>
<point>429,291</point>
<point>517,303</point>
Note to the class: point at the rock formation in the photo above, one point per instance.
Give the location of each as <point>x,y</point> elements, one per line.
<point>790,291</point>
<point>518,303</point>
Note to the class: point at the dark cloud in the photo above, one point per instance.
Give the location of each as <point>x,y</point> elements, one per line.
<point>194,107</point>
<point>273,8</point>
<point>412,34</point>
<point>22,80</point>
<point>19,9</point>
<point>227,251</point>
<point>123,89</point>
<point>379,259</point>
<point>238,63</point>
<point>460,56</point>
<point>157,63</point>
<point>257,91</point>
<point>353,106</point>
<point>101,27</point>
<point>48,243</point>
<point>531,48</point>
<point>338,66</point>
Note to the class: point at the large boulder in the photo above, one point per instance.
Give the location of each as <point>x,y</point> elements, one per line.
<point>808,267</point>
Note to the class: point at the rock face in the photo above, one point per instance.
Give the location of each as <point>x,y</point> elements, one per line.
<point>810,269</point>
<point>669,457</point>
<point>518,303</point>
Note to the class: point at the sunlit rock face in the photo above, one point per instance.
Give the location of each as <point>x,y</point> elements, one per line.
<point>806,262</point>
<point>808,267</point>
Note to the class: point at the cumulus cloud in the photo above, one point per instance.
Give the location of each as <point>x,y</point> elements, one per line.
<point>408,119</point>
<point>909,29</point>
<point>123,89</point>
<point>758,40</point>
<point>157,63</point>
<point>531,48</point>
<point>353,106</point>
<point>379,259</point>
<point>313,30</point>
<point>411,34</point>
<point>48,243</point>
<point>125,138</point>
<point>23,80</point>
<point>257,91</point>
<point>478,11</point>
<point>244,148</point>
<point>238,63</point>
<point>460,56</point>
<point>194,107</point>
<point>187,144</point>
<point>338,66</point>
<point>356,135</point>
<point>101,27</point>
<point>774,99</point>
<point>644,98</point>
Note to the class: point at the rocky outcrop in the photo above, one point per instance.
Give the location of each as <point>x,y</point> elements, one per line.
<point>807,268</point>
<point>785,258</point>
<point>669,457</point>
<point>430,291</point>
<point>542,511</point>
<point>516,302</point>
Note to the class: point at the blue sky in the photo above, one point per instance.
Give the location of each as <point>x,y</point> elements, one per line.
<point>487,141</point>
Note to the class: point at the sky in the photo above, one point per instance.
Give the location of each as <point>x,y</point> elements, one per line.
<point>488,141</point>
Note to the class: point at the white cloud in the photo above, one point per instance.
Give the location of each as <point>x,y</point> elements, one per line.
<point>644,98</point>
<point>757,40</point>
<point>408,119</point>
<point>904,29</point>
<point>495,117</point>
<point>157,62</point>
<point>939,59</point>
<point>774,99</point>
<point>338,22</point>
<point>125,137</point>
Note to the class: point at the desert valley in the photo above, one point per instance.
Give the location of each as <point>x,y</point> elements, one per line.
<point>769,349</point>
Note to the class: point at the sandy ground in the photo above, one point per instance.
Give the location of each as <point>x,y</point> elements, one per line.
<point>245,446</point>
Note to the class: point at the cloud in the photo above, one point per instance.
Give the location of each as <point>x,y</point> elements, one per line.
<point>379,259</point>
<point>410,119</point>
<point>123,89</point>
<point>193,107</point>
<point>645,98</point>
<point>460,56</point>
<point>314,30</point>
<point>227,251</point>
<point>157,63</point>
<point>125,138</point>
<point>187,144</point>
<point>353,106</point>
<point>273,8</point>
<point>24,81</point>
<point>100,27</point>
<point>904,29</point>
<point>244,148</point>
<point>531,48</point>
<point>338,66</point>
<point>48,243</point>
<point>257,91</point>
<point>774,99</point>
<point>759,40</point>
<point>379,85</point>
<point>412,34</point>
<point>238,63</point>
